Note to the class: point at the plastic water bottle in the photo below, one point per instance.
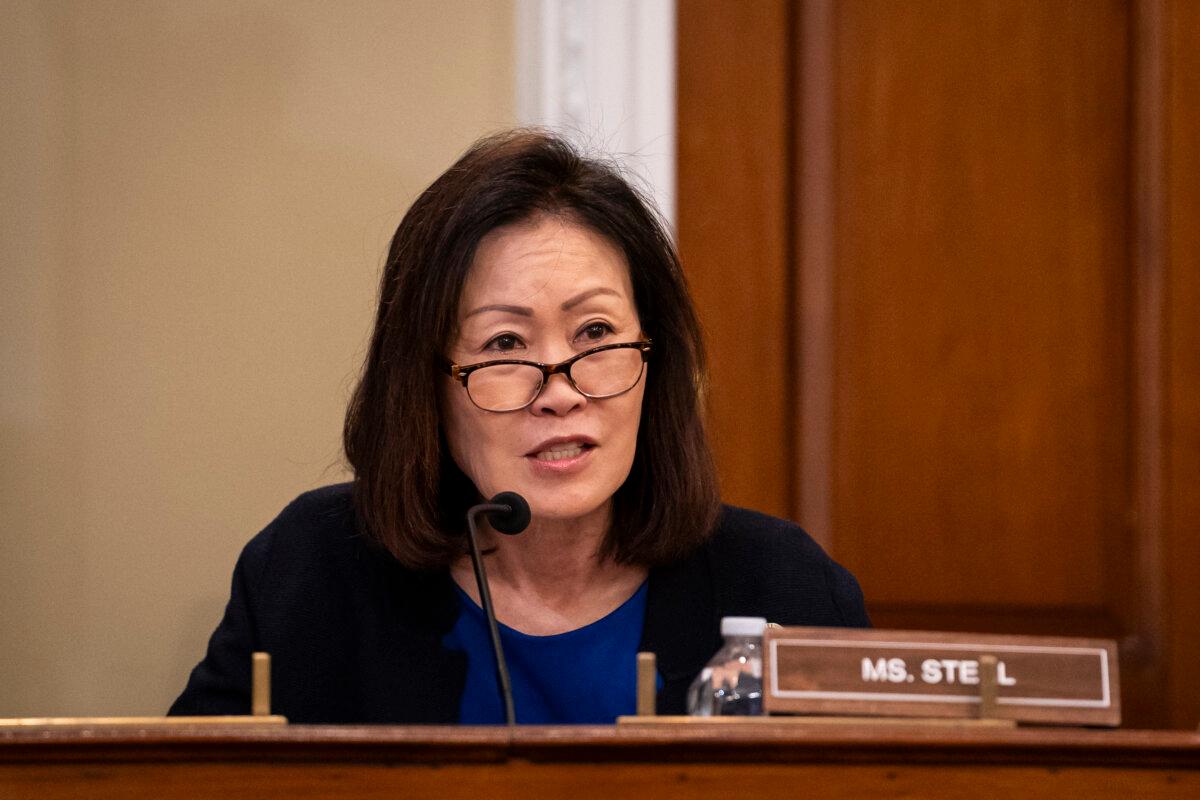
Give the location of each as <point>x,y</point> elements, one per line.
<point>731,684</point>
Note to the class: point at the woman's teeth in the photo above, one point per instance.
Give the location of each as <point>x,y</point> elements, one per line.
<point>560,453</point>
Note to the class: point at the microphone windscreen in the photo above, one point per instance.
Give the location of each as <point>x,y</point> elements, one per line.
<point>513,521</point>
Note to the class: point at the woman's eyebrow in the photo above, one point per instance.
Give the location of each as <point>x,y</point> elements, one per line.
<point>588,295</point>
<point>523,311</point>
<point>526,311</point>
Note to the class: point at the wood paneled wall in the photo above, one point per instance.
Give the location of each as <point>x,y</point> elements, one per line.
<point>1181,389</point>
<point>945,257</point>
<point>736,229</point>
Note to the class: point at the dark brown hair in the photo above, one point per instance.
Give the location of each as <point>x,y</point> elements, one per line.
<point>409,494</point>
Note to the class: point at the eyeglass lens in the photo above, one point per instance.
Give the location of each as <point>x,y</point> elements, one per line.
<point>507,387</point>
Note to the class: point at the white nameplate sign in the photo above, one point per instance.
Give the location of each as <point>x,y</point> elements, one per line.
<point>920,674</point>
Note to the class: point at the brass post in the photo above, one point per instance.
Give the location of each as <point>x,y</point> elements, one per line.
<point>260,687</point>
<point>988,687</point>
<point>646,684</point>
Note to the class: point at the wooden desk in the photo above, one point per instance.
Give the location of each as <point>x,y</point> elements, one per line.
<point>486,763</point>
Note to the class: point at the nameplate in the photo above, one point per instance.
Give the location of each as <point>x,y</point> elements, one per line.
<point>920,674</point>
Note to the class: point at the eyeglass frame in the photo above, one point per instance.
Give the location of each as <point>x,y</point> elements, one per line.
<point>461,372</point>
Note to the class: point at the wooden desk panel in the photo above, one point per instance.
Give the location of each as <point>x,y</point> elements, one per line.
<point>597,762</point>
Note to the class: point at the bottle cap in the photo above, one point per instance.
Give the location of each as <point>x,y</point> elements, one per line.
<point>743,626</point>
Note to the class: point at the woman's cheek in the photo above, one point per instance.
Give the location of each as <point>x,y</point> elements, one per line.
<point>484,462</point>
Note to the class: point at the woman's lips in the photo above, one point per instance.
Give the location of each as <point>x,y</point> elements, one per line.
<point>561,456</point>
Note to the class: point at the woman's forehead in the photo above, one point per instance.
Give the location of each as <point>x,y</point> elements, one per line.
<point>544,261</point>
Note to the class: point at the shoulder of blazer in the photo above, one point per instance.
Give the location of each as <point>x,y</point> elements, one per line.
<point>766,566</point>
<point>314,555</point>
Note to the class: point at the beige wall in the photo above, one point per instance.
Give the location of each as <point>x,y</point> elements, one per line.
<point>196,201</point>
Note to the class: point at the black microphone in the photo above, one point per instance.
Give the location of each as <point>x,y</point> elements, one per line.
<point>507,513</point>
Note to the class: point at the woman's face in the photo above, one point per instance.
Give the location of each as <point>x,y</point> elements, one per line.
<point>544,290</point>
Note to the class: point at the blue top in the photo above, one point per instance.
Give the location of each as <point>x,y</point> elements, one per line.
<point>584,676</point>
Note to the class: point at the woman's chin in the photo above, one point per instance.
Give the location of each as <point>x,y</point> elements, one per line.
<point>547,508</point>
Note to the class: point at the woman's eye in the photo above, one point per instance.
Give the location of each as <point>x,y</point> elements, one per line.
<point>596,331</point>
<point>504,343</point>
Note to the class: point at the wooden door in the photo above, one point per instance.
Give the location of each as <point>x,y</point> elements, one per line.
<point>944,259</point>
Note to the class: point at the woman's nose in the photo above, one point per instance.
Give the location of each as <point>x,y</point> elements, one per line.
<point>558,397</point>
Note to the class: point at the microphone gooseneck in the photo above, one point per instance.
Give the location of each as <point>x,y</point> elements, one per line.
<point>507,513</point>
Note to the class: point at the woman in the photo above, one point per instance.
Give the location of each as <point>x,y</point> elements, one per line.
<point>363,593</point>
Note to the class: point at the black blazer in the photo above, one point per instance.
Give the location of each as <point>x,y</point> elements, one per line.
<point>355,637</point>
